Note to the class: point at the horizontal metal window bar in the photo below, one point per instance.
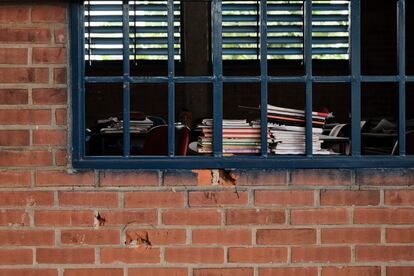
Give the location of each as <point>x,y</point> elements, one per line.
<point>247,162</point>
<point>380,78</point>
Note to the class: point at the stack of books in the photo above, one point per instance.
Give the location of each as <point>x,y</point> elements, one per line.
<point>135,126</point>
<point>287,130</point>
<point>239,137</point>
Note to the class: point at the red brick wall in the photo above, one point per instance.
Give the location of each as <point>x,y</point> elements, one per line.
<point>261,223</point>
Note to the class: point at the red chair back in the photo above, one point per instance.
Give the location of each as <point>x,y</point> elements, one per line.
<point>156,142</point>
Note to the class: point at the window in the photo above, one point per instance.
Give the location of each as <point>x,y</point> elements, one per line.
<point>180,84</point>
<point>241,29</point>
<point>147,30</point>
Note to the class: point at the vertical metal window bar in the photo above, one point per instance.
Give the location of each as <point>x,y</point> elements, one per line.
<point>135,34</point>
<point>356,78</point>
<point>82,94</point>
<point>126,73</point>
<point>171,84</point>
<point>308,65</point>
<point>402,76</point>
<point>264,76</point>
<point>218,79</point>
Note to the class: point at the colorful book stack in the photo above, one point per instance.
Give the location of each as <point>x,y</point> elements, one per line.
<point>239,137</point>
<point>288,132</point>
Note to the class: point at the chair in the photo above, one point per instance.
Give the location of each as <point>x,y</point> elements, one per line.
<point>156,142</point>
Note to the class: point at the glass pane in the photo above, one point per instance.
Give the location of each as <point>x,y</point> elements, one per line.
<point>409,103</point>
<point>334,99</point>
<point>379,37</point>
<point>103,116</point>
<point>379,115</point>
<point>286,118</point>
<point>149,117</point>
<point>241,119</point>
<point>241,38</point>
<point>196,54</point>
<point>103,38</point>
<point>409,37</point>
<point>194,109</point>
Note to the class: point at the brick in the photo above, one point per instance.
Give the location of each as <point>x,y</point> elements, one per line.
<point>24,75</point>
<point>130,255</point>
<point>90,237</point>
<point>350,235</point>
<point>259,177</point>
<point>384,253</point>
<point>352,271</point>
<point>13,96</point>
<point>255,216</point>
<point>65,256</point>
<point>116,218</point>
<point>381,177</point>
<point>359,198</point>
<point>15,257</point>
<point>321,254</point>
<point>191,217</point>
<point>157,272</point>
<point>50,55</point>
<point>14,179</point>
<point>61,157</point>
<point>49,137</point>
<point>14,218</point>
<point>11,138</point>
<point>321,177</point>
<point>156,236</point>
<point>129,178</point>
<point>400,271</point>
<point>222,236</point>
<point>217,198</point>
<point>59,76</point>
<point>26,35</point>
<point>286,236</point>
<point>183,178</point>
<point>26,199</point>
<point>25,117</point>
<point>62,178</point>
<point>13,56</point>
<point>49,96</point>
<point>194,255</point>
<point>48,14</point>
<point>19,158</point>
<point>399,235</point>
<point>27,237</point>
<point>61,116</point>
<point>399,197</point>
<point>320,216</point>
<point>284,198</point>
<point>94,272</point>
<point>28,272</point>
<point>10,15</point>
<point>61,36</point>
<point>89,199</point>
<point>383,216</point>
<point>291,271</point>
<point>154,199</point>
<point>223,272</point>
<point>257,255</point>
<point>63,218</point>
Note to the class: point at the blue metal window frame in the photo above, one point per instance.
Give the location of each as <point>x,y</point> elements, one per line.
<point>217,160</point>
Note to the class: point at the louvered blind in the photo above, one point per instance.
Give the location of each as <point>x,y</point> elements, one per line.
<point>148,30</point>
<point>241,35</point>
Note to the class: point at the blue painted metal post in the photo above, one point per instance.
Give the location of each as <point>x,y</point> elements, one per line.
<point>263,74</point>
<point>77,50</point>
<point>126,73</point>
<point>402,76</point>
<point>171,85</point>
<point>308,65</point>
<point>356,78</point>
<point>218,81</point>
